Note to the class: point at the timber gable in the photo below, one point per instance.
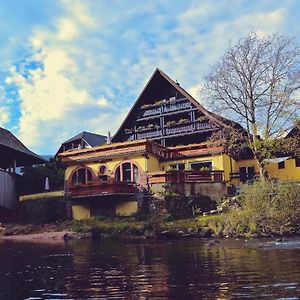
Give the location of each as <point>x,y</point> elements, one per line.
<point>165,113</point>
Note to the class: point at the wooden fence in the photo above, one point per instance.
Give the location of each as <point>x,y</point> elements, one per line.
<point>8,197</point>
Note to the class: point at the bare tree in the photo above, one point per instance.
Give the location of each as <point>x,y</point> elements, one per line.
<point>257,83</point>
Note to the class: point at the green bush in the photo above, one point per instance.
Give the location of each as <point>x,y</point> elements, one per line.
<point>267,208</point>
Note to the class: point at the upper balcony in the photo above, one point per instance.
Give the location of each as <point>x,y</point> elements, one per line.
<point>98,188</point>
<point>169,130</point>
<point>164,107</point>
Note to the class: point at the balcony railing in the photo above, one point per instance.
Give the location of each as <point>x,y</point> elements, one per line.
<point>149,134</point>
<point>244,177</point>
<point>179,129</point>
<point>187,176</point>
<point>171,130</point>
<point>166,107</point>
<point>97,188</point>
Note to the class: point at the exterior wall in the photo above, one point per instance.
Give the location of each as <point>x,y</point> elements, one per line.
<point>126,208</point>
<point>215,190</point>
<point>289,173</point>
<point>152,164</point>
<point>81,212</point>
<point>228,166</point>
<point>246,163</point>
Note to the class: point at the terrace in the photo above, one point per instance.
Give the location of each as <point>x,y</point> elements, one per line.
<point>186,176</point>
<point>98,188</point>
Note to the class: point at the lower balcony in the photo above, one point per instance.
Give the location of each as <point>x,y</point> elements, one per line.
<point>186,176</point>
<point>104,188</point>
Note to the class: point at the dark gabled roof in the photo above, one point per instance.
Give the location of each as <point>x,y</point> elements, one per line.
<point>217,120</point>
<point>11,144</point>
<point>92,139</point>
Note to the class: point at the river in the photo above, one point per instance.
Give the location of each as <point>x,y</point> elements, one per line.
<point>180,269</point>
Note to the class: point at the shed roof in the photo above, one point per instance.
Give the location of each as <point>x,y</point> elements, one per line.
<point>11,146</point>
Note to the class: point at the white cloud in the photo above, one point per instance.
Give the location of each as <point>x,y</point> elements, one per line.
<point>4,116</point>
<point>53,106</point>
<point>67,29</point>
<point>102,102</point>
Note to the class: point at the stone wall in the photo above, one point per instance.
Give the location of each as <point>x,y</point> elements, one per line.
<point>214,191</point>
<point>208,193</point>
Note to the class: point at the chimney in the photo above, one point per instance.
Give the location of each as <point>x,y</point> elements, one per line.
<point>108,140</point>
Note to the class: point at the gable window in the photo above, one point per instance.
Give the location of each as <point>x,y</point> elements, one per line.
<point>127,172</point>
<point>82,176</point>
<point>281,165</point>
<point>297,162</point>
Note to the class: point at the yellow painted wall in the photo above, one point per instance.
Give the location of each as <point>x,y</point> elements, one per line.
<point>81,212</point>
<point>246,163</point>
<point>289,173</point>
<point>229,166</point>
<point>152,164</point>
<point>140,160</point>
<point>126,208</point>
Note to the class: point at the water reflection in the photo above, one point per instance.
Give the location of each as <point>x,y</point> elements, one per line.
<point>159,270</point>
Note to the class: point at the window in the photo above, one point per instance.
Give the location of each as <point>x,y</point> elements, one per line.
<point>281,165</point>
<point>179,167</point>
<point>201,166</point>
<point>102,170</point>
<point>82,176</point>
<point>127,172</point>
<point>247,173</point>
<point>297,161</point>
<point>103,173</point>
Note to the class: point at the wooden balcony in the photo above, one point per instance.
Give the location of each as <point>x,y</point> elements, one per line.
<point>186,176</point>
<point>97,188</point>
<point>169,131</point>
<point>164,108</point>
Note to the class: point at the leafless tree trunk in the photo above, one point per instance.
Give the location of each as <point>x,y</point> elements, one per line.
<point>257,83</point>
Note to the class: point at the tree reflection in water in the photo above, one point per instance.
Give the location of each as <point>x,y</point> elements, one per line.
<point>183,269</point>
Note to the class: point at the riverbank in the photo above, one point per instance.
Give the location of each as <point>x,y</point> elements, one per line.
<point>231,224</point>
<point>122,228</point>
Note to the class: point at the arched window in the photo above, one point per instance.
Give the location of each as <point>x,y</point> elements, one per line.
<point>82,176</point>
<point>127,172</point>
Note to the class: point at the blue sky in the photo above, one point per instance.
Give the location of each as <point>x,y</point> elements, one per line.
<point>69,65</point>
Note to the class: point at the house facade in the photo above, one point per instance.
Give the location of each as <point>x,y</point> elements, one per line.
<point>161,147</point>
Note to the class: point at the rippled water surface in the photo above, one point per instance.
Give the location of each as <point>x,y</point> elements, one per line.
<point>183,269</point>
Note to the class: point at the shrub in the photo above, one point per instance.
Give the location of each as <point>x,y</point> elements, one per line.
<point>267,208</point>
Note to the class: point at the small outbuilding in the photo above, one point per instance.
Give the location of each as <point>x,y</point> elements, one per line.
<point>13,154</point>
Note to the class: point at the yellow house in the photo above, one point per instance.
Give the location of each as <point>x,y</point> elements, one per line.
<point>162,145</point>
<point>113,179</point>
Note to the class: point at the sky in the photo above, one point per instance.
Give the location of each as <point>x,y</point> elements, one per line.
<point>68,66</point>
